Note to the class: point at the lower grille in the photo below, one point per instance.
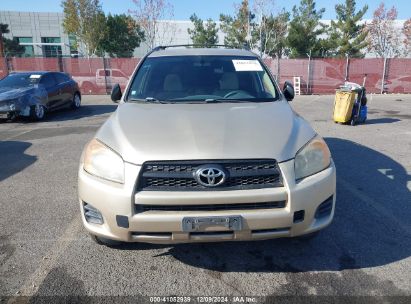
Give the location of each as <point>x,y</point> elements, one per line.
<point>210,207</point>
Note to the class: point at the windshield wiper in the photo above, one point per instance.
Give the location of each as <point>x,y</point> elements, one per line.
<point>228,100</point>
<point>148,100</point>
<point>222,100</point>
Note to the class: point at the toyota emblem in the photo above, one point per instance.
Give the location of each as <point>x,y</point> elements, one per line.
<point>210,176</point>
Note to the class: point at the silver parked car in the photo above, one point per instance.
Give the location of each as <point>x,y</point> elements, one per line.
<point>204,147</point>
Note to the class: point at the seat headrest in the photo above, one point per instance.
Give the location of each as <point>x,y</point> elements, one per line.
<point>172,83</point>
<point>229,81</point>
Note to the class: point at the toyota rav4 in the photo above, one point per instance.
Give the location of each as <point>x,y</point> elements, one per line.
<point>204,147</point>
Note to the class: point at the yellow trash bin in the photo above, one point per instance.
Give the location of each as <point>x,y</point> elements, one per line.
<point>343,105</point>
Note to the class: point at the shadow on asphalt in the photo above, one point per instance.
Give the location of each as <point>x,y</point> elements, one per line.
<point>374,121</point>
<point>13,158</point>
<point>83,111</point>
<point>359,236</point>
<point>65,114</point>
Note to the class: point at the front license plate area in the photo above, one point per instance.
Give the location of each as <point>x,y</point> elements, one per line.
<point>233,223</point>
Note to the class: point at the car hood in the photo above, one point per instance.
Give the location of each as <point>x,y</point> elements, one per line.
<point>143,132</point>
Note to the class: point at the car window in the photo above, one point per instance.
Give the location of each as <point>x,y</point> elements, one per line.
<point>117,74</point>
<point>104,73</point>
<point>19,80</point>
<point>195,78</point>
<point>61,77</point>
<point>48,80</point>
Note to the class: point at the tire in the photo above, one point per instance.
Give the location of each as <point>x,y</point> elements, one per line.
<point>87,88</point>
<point>106,242</point>
<point>37,112</point>
<point>76,103</point>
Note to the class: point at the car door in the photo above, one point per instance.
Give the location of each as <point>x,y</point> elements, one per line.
<point>53,92</point>
<point>65,88</point>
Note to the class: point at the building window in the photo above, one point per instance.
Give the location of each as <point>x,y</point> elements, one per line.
<point>73,45</point>
<point>51,50</point>
<point>28,49</point>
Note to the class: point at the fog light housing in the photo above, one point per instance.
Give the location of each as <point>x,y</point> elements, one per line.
<point>92,215</point>
<point>325,208</point>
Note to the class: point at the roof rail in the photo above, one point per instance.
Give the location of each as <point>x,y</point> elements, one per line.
<point>163,47</point>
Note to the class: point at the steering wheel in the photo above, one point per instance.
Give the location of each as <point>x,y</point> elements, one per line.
<point>232,93</point>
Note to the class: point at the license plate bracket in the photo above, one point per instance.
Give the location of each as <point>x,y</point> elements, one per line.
<point>191,224</point>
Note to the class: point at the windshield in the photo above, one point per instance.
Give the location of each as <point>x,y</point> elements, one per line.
<point>19,80</point>
<point>202,78</point>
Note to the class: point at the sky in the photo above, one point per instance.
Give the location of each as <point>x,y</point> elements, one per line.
<point>205,9</point>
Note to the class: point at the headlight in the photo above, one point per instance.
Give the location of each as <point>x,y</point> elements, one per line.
<point>101,161</point>
<point>312,158</point>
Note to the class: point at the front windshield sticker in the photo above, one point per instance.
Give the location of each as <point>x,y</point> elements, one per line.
<point>35,76</point>
<point>247,65</point>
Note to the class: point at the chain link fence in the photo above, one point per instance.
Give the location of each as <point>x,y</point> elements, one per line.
<point>317,76</point>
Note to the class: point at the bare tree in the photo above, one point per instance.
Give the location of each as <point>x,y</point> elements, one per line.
<point>154,18</point>
<point>406,30</point>
<point>383,39</point>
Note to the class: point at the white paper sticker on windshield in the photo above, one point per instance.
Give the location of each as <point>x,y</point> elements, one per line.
<point>35,76</point>
<point>247,65</point>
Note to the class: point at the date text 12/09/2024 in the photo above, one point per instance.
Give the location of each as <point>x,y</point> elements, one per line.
<point>203,299</point>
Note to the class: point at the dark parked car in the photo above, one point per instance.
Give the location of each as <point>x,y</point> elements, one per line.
<point>32,94</point>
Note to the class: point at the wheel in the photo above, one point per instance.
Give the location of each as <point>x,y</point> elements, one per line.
<point>103,241</point>
<point>88,88</point>
<point>37,112</point>
<point>76,103</point>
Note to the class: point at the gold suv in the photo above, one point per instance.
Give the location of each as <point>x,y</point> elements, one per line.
<point>204,147</point>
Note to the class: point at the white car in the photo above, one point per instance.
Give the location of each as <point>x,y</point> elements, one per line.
<point>204,147</point>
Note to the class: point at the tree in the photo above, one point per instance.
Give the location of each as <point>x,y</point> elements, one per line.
<point>406,30</point>
<point>123,35</point>
<point>149,15</point>
<point>238,29</point>
<point>86,21</point>
<point>305,29</point>
<point>9,46</point>
<point>347,35</point>
<point>204,35</point>
<point>272,32</point>
<point>383,38</point>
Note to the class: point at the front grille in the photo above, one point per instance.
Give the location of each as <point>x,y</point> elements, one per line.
<point>179,175</point>
<point>210,207</point>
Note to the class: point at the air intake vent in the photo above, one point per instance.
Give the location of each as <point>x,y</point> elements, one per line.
<point>210,207</point>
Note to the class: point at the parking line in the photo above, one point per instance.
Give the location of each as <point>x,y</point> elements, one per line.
<point>374,204</point>
<point>17,135</point>
<point>48,262</point>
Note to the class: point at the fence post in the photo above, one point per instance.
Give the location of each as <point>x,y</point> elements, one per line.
<point>309,71</point>
<point>347,63</point>
<point>383,76</point>
<point>105,74</point>
<point>278,69</point>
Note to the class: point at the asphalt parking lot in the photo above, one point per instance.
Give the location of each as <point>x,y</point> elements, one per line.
<point>44,251</point>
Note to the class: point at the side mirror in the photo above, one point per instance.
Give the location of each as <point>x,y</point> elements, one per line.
<point>116,93</point>
<point>288,91</point>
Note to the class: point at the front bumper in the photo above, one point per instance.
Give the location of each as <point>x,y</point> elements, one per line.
<point>117,204</point>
